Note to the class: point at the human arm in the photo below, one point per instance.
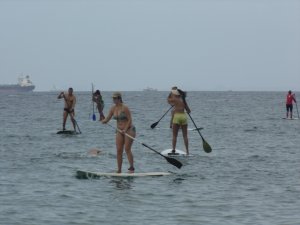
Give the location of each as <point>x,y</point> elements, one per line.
<point>294,98</point>
<point>73,102</point>
<point>187,108</point>
<point>94,97</point>
<point>61,95</point>
<point>169,99</point>
<point>109,116</point>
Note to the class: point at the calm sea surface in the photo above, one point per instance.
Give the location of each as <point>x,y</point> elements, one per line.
<point>251,177</point>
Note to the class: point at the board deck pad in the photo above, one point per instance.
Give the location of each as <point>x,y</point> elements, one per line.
<point>66,132</point>
<point>80,174</point>
<point>168,152</point>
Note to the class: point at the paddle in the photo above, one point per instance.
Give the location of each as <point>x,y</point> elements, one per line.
<point>206,146</point>
<point>94,116</point>
<point>172,161</point>
<point>154,124</point>
<point>190,129</point>
<point>297,109</point>
<point>73,119</point>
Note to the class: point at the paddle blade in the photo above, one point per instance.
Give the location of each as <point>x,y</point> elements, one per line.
<point>174,162</point>
<point>206,146</point>
<point>94,117</point>
<point>154,125</point>
<point>198,128</point>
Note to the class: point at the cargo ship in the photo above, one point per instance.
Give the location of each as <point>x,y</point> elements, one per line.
<point>24,85</point>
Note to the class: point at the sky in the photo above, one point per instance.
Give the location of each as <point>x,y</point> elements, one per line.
<point>128,45</point>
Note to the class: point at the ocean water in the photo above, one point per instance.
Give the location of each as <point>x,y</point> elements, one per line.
<point>251,177</point>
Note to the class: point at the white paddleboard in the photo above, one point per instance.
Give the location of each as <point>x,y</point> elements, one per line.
<point>290,118</point>
<point>168,152</point>
<point>80,174</point>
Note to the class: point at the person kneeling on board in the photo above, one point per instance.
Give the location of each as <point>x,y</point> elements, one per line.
<point>121,113</point>
<point>70,101</point>
<point>177,100</point>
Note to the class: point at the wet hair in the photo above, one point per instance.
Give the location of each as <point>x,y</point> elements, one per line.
<point>290,92</point>
<point>97,92</point>
<point>182,93</point>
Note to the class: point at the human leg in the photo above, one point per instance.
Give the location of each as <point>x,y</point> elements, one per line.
<point>72,114</point>
<point>100,110</point>
<point>119,146</point>
<point>172,117</point>
<point>175,133</point>
<point>65,116</point>
<point>128,145</point>
<point>185,137</point>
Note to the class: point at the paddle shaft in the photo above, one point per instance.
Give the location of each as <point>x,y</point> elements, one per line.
<point>94,116</point>
<point>297,109</point>
<point>206,146</point>
<point>154,124</point>
<point>73,119</point>
<point>196,128</point>
<point>170,160</point>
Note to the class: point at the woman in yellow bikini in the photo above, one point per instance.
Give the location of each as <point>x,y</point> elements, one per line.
<point>177,99</point>
<point>122,115</point>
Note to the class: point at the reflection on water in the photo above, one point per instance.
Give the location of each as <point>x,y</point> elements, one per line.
<point>122,184</point>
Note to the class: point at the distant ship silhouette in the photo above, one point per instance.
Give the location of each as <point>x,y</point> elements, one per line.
<point>24,85</point>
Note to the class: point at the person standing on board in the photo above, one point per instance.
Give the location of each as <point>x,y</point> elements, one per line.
<point>70,102</point>
<point>177,99</point>
<point>121,113</point>
<point>97,98</point>
<point>289,104</point>
<point>172,112</point>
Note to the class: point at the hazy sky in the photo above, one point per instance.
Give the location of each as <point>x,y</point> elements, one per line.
<point>132,44</point>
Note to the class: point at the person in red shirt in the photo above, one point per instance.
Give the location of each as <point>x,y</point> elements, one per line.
<point>289,104</point>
